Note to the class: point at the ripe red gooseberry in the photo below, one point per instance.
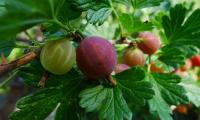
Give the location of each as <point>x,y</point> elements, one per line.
<point>149,43</point>
<point>134,57</point>
<point>155,68</point>
<point>96,57</point>
<point>195,60</point>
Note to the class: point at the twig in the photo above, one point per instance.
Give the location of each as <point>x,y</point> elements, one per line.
<point>6,68</point>
<point>31,38</point>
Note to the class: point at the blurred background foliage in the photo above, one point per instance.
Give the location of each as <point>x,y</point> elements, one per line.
<point>13,87</point>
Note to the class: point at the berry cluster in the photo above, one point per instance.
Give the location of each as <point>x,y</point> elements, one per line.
<point>95,56</point>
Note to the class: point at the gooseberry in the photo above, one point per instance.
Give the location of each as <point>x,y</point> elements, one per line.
<point>134,57</point>
<point>149,43</point>
<point>195,60</point>
<point>96,57</point>
<point>58,56</point>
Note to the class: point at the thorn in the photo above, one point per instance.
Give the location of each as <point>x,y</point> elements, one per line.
<point>43,80</point>
<point>3,59</point>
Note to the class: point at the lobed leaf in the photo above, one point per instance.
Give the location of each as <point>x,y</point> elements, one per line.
<point>132,25</point>
<point>182,33</point>
<point>168,91</point>
<point>139,4</point>
<point>171,91</point>
<point>109,102</point>
<point>67,111</point>
<point>37,106</point>
<point>97,10</point>
<point>98,16</point>
<point>133,85</point>
<point>175,54</point>
<point>180,29</point>
<point>157,104</point>
<point>192,91</point>
<point>146,3</point>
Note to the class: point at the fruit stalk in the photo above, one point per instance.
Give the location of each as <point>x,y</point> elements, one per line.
<point>43,80</point>
<point>111,80</point>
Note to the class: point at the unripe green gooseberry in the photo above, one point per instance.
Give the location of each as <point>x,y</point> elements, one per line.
<point>58,56</point>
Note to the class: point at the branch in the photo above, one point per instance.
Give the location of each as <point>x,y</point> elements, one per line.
<point>6,68</point>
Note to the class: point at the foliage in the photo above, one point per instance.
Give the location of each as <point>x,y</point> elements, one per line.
<point>73,96</point>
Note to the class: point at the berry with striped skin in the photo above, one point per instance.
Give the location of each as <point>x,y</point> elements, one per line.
<point>155,68</point>
<point>121,67</point>
<point>149,43</point>
<point>183,109</point>
<point>58,57</point>
<point>96,57</point>
<point>195,60</point>
<point>134,57</point>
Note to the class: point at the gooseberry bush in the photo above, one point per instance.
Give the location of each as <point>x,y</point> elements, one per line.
<point>101,59</point>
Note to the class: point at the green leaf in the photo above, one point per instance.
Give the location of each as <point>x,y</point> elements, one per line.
<point>146,3</point>
<point>37,106</point>
<point>108,101</point>
<point>25,14</point>
<point>97,10</point>
<point>6,44</point>
<point>67,111</point>
<point>115,107</point>
<point>32,76</point>
<point>178,29</point>
<point>133,85</point>
<point>2,7</point>
<point>66,91</point>
<point>98,16</point>
<point>129,74</point>
<point>85,5</point>
<point>132,25</point>
<point>66,12</point>
<point>175,54</point>
<point>52,31</point>
<point>106,30</point>
<point>139,4</point>
<point>21,15</point>
<point>192,91</point>
<point>72,84</point>
<point>91,99</point>
<point>171,91</point>
<point>167,91</point>
<point>157,104</point>
<point>182,34</point>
